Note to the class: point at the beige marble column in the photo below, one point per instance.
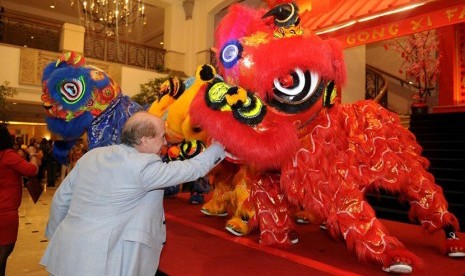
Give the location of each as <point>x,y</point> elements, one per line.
<point>188,37</point>
<point>72,38</point>
<point>175,37</point>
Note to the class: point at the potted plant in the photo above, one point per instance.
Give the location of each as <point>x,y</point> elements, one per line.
<point>149,91</point>
<point>420,66</point>
<point>5,107</point>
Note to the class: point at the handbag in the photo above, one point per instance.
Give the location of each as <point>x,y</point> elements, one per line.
<point>34,188</point>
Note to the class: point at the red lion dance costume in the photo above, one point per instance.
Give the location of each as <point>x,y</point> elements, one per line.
<point>277,111</point>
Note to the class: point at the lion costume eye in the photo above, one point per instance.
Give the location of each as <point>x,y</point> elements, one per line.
<point>297,91</point>
<point>296,87</point>
<point>72,90</point>
<point>231,53</point>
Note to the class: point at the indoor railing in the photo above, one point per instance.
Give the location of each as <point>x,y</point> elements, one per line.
<point>28,32</point>
<point>128,53</point>
<point>45,35</point>
<point>376,86</point>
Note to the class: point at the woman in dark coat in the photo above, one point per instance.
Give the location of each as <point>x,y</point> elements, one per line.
<point>12,168</point>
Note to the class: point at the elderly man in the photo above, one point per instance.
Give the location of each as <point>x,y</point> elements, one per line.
<point>107,216</point>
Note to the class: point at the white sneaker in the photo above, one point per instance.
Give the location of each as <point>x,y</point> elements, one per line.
<point>398,268</point>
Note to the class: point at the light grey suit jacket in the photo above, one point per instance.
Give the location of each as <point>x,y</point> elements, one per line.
<point>107,215</point>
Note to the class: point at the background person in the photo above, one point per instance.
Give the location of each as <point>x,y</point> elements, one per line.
<point>40,157</point>
<point>76,152</point>
<point>44,148</point>
<point>12,168</point>
<point>35,148</point>
<point>22,151</point>
<point>32,143</point>
<point>52,165</point>
<point>107,216</point>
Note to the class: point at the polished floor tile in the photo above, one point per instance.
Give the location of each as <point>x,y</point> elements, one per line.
<point>31,243</point>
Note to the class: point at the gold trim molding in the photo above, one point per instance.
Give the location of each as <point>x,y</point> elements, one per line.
<point>32,64</point>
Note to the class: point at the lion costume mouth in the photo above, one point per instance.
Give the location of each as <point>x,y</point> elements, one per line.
<point>233,159</point>
<point>245,107</point>
<point>235,125</point>
<point>71,129</point>
<point>241,117</point>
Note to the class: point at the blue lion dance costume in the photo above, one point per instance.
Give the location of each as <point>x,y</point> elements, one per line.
<point>80,98</point>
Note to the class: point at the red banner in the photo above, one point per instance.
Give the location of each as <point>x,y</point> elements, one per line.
<point>432,20</point>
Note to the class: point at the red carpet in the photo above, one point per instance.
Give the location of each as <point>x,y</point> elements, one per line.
<point>199,245</point>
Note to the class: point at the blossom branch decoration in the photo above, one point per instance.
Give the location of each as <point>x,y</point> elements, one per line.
<point>421,58</point>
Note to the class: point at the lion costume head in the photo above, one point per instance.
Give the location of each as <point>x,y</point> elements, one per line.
<point>277,76</point>
<point>80,98</point>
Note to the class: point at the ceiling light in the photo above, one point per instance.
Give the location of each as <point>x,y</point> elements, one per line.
<point>406,8</point>
<point>335,28</point>
<point>367,18</point>
<point>108,16</point>
<point>26,123</point>
<point>52,5</point>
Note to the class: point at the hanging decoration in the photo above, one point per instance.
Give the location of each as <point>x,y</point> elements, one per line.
<point>111,16</point>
